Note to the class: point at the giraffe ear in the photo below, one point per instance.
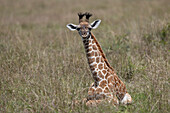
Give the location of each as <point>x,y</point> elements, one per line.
<point>95,24</point>
<point>72,27</point>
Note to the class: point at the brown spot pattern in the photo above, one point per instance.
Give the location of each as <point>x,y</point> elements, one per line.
<point>92,67</point>
<point>106,90</point>
<point>103,84</point>
<point>105,67</point>
<point>117,89</point>
<point>96,54</point>
<point>102,60</point>
<point>100,75</point>
<point>95,65</point>
<point>108,95</point>
<point>97,59</point>
<point>104,71</point>
<point>115,78</point>
<point>94,47</point>
<point>100,66</point>
<point>89,49</point>
<point>93,42</point>
<point>110,79</point>
<point>102,96</point>
<point>91,60</point>
<point>111,87</point>
<point>91,91</point>
<point>108,70</point>
<point>90,54</point>
<point>89,41</point>
<point>96,78</point>
<point>98,90</point>
<point>107,75</point>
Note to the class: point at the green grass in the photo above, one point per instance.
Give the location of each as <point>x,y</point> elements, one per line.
<point>43,67</point>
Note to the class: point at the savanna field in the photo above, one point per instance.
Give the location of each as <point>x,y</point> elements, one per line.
<point>43,66</point>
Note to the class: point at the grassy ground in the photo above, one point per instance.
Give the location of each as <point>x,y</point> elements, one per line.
<point>43,66</point>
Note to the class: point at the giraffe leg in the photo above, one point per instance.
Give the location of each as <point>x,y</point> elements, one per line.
<point>112,99</point>
<point>115,101</point>
<point>78,102</point>
<point>91,103</point>
<point>84,100</point>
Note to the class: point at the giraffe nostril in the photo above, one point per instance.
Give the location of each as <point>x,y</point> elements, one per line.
<point>83,33</point>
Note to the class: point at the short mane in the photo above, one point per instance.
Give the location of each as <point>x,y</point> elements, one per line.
<point>103,55</point>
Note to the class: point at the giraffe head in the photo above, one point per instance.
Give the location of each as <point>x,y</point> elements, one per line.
<point>84,28</point>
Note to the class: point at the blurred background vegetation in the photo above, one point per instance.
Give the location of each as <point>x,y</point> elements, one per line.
<point>43,66</point>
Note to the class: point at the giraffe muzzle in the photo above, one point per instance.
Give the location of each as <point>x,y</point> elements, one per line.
<point>84,34</point>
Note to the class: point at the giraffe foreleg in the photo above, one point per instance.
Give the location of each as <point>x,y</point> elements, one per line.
<point>114,101</point>
<point>111,98</point>
<point>93,102</point>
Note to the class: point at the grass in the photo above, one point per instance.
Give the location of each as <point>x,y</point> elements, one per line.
<point>43,66</point>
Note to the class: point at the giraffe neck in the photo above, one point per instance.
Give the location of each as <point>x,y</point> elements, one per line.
<point>97,61</point>
<point>103,74</point>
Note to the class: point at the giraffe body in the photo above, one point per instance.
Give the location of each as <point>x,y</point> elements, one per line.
<point>107,85</point>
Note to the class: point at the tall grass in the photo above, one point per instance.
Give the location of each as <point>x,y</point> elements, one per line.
<point>43,67</point>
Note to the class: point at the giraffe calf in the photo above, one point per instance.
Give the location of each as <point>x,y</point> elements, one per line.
<point>107,86</point>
